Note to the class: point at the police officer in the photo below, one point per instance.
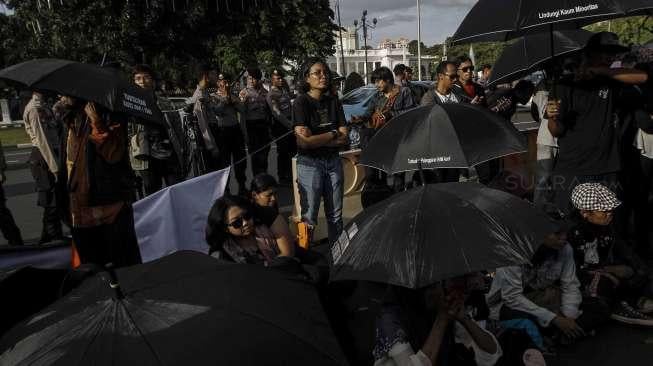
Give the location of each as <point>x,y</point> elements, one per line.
<point>279,102</point>
<point>257,120</point>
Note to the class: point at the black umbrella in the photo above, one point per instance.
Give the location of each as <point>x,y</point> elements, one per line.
<point>501,20</point>
<point>184,309</point>
<point>438,231</point>
<point>103,85</point>
<point>441,136</point>
<point>528,54</point>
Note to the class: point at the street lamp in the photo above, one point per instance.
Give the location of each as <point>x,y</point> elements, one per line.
<point>364,25</point>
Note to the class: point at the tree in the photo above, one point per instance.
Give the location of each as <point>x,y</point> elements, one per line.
<point>174,36</point>
<point>631,30</point>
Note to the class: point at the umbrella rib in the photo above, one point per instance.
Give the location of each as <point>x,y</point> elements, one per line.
<point>149,345</point>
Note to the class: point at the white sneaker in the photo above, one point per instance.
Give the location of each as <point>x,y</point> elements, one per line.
<point>625,313</point>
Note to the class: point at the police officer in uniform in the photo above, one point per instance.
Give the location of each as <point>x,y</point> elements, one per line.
<point>279,102</point>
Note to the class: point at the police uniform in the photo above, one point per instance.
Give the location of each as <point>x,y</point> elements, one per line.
<point>278,100</point>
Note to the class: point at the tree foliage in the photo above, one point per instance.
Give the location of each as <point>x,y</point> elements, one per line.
<point>631,31</point>
<point>174,36</point>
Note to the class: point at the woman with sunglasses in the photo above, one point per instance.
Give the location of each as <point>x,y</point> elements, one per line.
<point>234,233</point>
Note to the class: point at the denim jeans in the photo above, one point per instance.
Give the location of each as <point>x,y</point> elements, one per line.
<point>321,177</point>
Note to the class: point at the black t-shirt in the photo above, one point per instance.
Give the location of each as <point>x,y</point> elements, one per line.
<point>266,215</point>
<point>588,117</point>
<point>320,116</point>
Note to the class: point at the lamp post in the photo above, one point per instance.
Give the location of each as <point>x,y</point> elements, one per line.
<point>364,25</point>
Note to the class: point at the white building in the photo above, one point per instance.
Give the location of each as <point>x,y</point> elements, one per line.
<point>389,53</point>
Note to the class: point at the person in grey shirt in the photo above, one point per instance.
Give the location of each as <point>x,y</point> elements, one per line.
<point>280,105</point>
<point>227,132</point>
<point>256,114</point>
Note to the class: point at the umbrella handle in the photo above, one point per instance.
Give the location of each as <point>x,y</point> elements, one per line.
<point>113,281</point>
<point>421,171</point>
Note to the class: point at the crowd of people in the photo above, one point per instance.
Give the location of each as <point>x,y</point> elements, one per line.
<point>593,178</point>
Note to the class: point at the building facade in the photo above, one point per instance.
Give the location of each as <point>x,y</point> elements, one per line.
<point>388,53</point>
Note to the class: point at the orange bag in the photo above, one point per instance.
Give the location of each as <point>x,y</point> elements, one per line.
<point>304,234</point>
<point>74,261</point>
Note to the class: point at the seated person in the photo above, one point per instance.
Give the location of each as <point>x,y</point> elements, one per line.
<point>264,198</point>
<point>234,233</point>
<point>446,330</point>
<point>608,269</point>
<point>547,292</point>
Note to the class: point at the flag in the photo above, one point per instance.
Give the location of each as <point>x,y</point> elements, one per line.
<point>174,218</point>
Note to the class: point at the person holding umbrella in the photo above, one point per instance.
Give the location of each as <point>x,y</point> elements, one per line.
<point>584,119</point>
<point>99,184</point>
<point>452,308</point>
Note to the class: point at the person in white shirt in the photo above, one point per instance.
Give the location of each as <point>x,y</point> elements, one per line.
<point>398,329</point>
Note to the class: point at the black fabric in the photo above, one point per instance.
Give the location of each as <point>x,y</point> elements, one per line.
<point>105,86</point>
<point>457,135</point>
<point>530,52</point>
<point>232,150</point>
<point>379,238</point>
<point>258,140</point>
<point>112,243</point>
<point>643,209</point>
<point>183,309</point>
<point>588,115</point>
<point>286,150</point>
<point>320,116</point>
<point>109,182</point>
<point>514,18</point>
<point>10,231</point>
<point>266,215</point>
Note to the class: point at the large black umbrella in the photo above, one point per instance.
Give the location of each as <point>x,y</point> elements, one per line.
<point>103,85</point>
<point>184,309</point>
<point>438,231</point>
<point>531,52</point>
<point>441,136</point>
<point>501,20</point>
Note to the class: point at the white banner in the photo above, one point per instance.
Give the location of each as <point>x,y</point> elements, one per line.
<point>174,218</point>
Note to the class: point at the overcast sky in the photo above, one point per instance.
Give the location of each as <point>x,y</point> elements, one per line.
<point>398,18</point>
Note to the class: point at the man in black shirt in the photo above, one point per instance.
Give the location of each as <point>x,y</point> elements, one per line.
<point>320,129</point>
<point>584,118</point>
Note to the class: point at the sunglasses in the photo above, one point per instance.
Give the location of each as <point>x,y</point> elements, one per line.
<point>452,76</point>
<point>467,69</point>
<point>239,222</point>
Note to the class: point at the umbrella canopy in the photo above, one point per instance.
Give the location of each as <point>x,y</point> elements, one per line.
<point>184,309</point>
<point>527,54</point>
<point>438,231</point>
<point>441,136</point>
<point>105,86</point>
<point>507,19</point>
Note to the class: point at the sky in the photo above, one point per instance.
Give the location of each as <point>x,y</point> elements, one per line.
<point>398,18</point>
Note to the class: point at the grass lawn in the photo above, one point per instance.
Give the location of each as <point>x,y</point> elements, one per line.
<point>11,136</point>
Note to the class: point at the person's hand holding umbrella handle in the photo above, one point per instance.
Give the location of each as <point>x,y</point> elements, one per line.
<point>552,114</point>
<point>98,129</point>
<point>456,310</point>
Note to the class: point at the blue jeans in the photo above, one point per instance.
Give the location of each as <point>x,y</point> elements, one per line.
<point>321,177</point>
